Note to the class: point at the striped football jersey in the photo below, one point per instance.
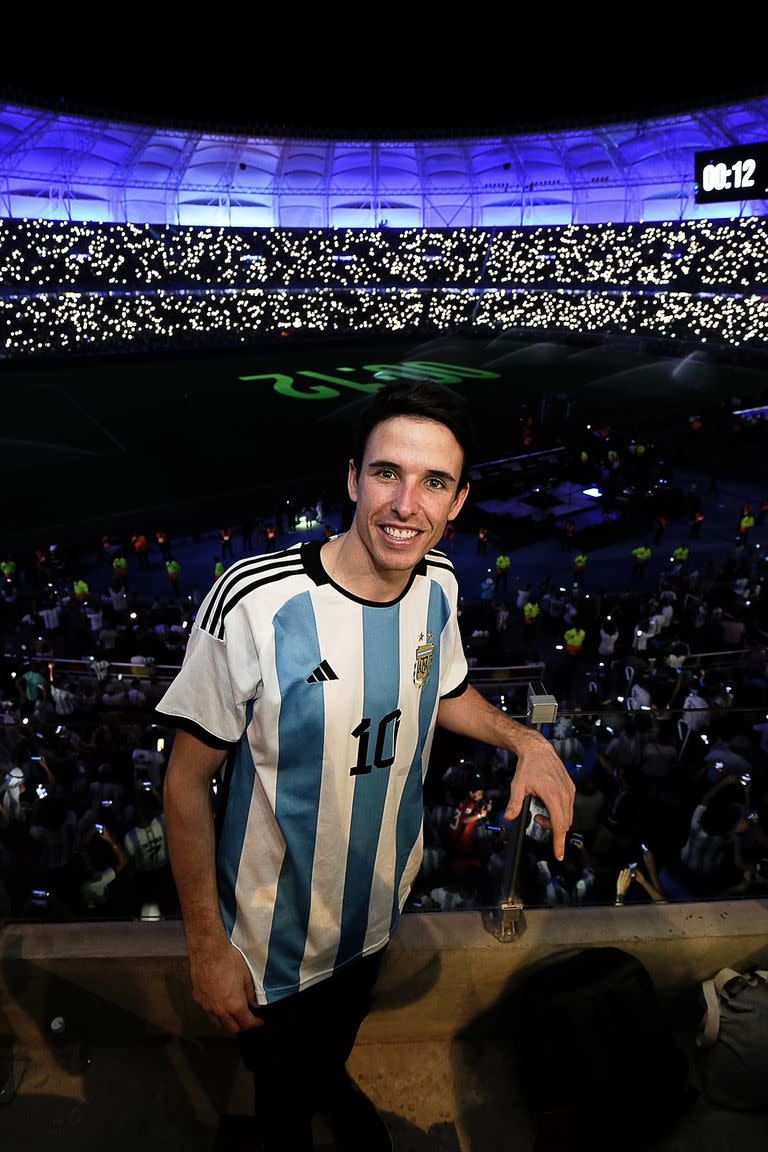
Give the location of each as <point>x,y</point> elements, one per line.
<point>328,705</point>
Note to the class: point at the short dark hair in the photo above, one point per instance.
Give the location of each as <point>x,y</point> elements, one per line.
<point>425,400</point>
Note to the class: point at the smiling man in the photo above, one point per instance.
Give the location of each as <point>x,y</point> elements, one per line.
<point>315,677</point>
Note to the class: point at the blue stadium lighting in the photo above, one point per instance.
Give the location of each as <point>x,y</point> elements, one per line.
<point>60,166</point>
<point>760,413</point>
<point>115,236</point>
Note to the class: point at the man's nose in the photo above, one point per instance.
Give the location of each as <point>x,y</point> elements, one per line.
<point>405,499</point>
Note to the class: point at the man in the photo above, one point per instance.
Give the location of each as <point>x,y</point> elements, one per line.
<point>320,672</point>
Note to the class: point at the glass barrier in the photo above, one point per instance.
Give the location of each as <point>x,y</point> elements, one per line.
<point>670,806</point>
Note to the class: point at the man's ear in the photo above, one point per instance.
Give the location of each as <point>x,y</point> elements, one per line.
<point>352,482</point>
<point>458,502</point>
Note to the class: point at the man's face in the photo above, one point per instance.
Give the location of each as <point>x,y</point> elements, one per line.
<point>406,491</point>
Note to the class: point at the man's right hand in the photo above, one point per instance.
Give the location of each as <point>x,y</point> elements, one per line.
<point>223,987</point>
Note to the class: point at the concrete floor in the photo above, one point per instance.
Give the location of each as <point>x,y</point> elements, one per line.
<point>194,1097</point>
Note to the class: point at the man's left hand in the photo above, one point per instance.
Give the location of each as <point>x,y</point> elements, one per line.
<point>540,772</point>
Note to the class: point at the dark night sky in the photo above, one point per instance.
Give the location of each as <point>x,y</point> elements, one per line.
<point>378,74</point>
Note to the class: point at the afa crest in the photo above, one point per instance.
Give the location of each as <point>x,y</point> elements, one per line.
<point>424,655</point>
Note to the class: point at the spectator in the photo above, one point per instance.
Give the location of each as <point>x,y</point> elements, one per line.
<point>708,855</point>
<point>696,710</point>
<point>104,859</point>
<point>609,634</point>
<point>145,845</point>
<point>64,699</point>
<point>136,697</point>
<point>113,695</point>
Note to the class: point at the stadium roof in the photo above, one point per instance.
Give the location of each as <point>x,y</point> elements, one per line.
<point>65,167</point>
<point>384,74</point>
<point>504,120</point>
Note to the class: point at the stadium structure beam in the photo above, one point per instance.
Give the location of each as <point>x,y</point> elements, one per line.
<point>18,148</point>
<point>179,171</point>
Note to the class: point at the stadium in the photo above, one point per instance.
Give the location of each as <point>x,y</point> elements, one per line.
<point>196,304</point>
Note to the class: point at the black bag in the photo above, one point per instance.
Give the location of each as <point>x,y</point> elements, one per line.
<point>734,1039</point>
<point>599,1063</point>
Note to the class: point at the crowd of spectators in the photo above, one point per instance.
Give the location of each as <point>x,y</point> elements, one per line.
<point>680,255</point>
<point>667,743</point>
<point>663,728</point>
<point>107,287</point>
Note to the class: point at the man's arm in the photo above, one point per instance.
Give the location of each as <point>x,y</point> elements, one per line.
<point>221,980</point>
<point>539,772</point>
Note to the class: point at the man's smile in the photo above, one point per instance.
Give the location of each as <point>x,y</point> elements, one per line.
<point>395,533</point>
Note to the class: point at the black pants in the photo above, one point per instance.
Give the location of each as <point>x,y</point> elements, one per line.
<point>299,1053</point>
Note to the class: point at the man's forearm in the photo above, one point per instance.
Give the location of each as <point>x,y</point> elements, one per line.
<point>471,715</point>
<point>191,848</point>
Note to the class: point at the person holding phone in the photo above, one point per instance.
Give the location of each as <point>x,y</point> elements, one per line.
<point>105,859</point>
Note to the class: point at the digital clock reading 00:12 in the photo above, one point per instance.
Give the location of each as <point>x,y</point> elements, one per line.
<point>737,173</point>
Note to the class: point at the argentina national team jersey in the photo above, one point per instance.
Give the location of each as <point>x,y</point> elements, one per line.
<point>328,705</point>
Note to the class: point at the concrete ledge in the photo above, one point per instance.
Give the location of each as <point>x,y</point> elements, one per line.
<point>442,971</point>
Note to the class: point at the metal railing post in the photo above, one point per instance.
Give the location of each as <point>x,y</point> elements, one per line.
<point>506,922</point>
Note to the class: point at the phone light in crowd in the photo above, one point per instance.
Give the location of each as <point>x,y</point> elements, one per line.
<point>184,623</point>
<point>25,720</point>
<point>620,699</point>
<point>562,589</point>
<point>13,675</point>
<point>601,664</point>
<point>639,632</point>
<point>645,707</point>
<point>133,615</point>
<point>41,791</point>
<point>161,743</point>
<point>593,492</point>
<point>59,728</point>
<point>609,729</point>
<point>119,675</point>
<point>91,657</point>
<point>558,647</point>
<point>608,617</point>
<point>586,597</point>
<point>705,738</point>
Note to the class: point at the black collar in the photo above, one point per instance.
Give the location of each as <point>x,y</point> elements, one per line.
<point>313,566</point>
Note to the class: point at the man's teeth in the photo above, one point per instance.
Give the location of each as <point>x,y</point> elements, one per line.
<point>401,533</point>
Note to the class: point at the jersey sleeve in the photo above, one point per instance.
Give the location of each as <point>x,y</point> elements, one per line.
<point>453,662</point>
<point>217,679</point>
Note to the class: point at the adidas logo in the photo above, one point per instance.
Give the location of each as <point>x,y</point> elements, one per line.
<point>321,673</point>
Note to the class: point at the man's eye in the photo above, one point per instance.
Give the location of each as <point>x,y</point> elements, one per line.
<point>435,482</point>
